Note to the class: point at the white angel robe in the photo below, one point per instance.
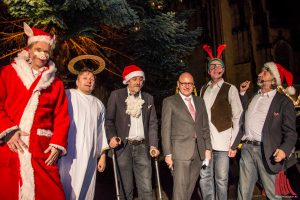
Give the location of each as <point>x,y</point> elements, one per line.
<point>86,141</point>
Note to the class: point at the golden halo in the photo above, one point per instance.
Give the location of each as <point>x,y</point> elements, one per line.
<point>100,61</point>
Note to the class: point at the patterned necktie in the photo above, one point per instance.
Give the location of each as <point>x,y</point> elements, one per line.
<point>191,107</point>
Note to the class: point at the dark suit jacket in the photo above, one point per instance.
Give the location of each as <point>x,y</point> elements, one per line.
<point>279,131</point>
<point>178,128</point>
<point>117,122</point>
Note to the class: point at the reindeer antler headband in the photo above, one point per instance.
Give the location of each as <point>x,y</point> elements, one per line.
<point>211,58</point>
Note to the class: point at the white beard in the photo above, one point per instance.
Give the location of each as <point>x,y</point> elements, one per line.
<point>134,106</point>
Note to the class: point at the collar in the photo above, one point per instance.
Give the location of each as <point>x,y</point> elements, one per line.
<point>219,83</point>
<point>128,92</point>
<point>269,94</point>
<point>183,97</point>
<point>35,72</point>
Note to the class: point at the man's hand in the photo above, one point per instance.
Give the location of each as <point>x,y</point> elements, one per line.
<point>15,143</point>
<point>231,153</point>
<point>102,162</point>
<point>169,161</point>
<point>114,142</point>
<point>154,152</point>
<point>279,155</point>
<point>208,154</point>
<point>55,153</point>
<point>244,86</point>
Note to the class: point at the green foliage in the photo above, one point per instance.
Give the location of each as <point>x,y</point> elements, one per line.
<point>160,44</point>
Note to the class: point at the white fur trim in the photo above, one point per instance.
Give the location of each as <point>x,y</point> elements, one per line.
<point>40,38</point>
<point>291,90</point>
<point>44,132</point>
<point>24,71</point>
<point>27,190</point>
<point>133,74</point>
<point>272,66</point>
<point>47,77</point>
<point>63,149</point>
<point>5,132</point>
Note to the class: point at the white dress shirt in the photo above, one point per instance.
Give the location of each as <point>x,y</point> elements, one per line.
<point>136,131</point>
<point>222,141</point>
<point>186,102</point>
<point>256,115</point>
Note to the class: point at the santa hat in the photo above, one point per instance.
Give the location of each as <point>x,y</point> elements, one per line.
<point>211,58</point>
<point>131,71</point>
<point>280,73</point>
<point>38,35</point>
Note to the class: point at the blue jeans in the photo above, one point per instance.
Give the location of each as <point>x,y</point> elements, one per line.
<point>214,178</point>
<point>252,167</point>
<point>134,161</point>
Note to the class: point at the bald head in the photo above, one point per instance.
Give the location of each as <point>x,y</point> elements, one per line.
<point>186,75</point>
<point>185,84</point>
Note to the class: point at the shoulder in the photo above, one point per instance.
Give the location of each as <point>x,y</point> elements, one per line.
<point>58,81</point>
<point>283,98</point>
<point>170,98</point>
<point>118,91</point>
<point>6,69</point>
<point>231,86</point>
<point>198,99</point>
<point>147,95</point>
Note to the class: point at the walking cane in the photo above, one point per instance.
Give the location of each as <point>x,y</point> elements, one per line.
<point>115,172</point>
<point>157,175</point>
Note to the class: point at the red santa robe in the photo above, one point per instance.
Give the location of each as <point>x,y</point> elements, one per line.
<point>39,107</point>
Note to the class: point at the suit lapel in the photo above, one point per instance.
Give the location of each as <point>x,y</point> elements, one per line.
<point>183,105</point>
<point>197,107</point>
<point>124,95</point>
<point>144,107</point>
<point>269,118</point>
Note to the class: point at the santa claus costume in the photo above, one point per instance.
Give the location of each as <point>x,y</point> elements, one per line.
<point>35,104</point>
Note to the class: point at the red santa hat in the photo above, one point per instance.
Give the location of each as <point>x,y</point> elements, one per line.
<point>38,35</point>
<point>280,73</point>
<point>131,71</point>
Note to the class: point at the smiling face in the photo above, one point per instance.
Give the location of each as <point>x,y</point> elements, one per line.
<point>266,80</point>
<point>216,70</point>
<point>86,82</point>
<point>39,53</point>
<point>185,84</point>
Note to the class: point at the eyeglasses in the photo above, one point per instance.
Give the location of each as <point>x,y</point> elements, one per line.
<point>214,66</point>
<point>186,84</point>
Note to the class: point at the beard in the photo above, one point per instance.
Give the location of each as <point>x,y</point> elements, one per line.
<point>136,89</point>
<point>260,83</point>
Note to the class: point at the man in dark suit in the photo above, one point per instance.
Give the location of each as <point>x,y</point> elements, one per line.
<point>131,128</point>
<point>268,132</point>
<point>185,136</point>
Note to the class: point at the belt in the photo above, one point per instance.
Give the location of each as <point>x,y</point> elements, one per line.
<point>253,142</point>
<point>136,142</point>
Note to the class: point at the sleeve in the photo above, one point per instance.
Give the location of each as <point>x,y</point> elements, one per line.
<point>205,127</point>
<point>236,110</point>
<point>110,117</point>
<point>61,121</point>
<point>288,127</point>
<point>166,127</point>
<point>6,125</point>
<point>102,139</point>
<point>153,140</point>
